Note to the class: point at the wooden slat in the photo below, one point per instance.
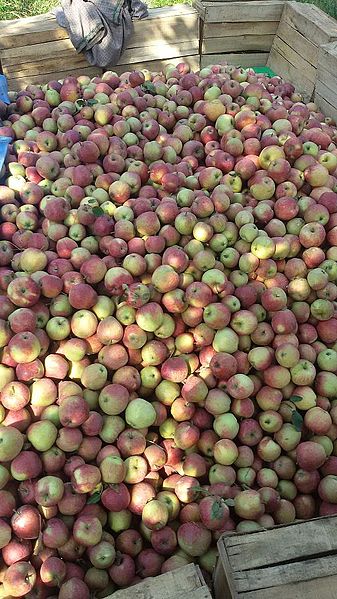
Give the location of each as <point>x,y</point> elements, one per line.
<point>263,578</point>
<point>249,59</point>
<point>30,31</point>
<point>212,30</point>
<point>290,73</point>
<point>320,588</point>
<point>310,21</point>
<point>162,50</point>
<point>298,42</point>
<point>325,107</point>
<point>68,60</point>
<point>237,12</point>
<point>161,23</point>
<point>327,58</point>
<point>22,54</point>
<point>180,582</point>
<point>65,50</point>
<point>239,43</point>
<point>202,593</point>
<point>323,90</point>
<point>298,61</point>
<point>159,65</point>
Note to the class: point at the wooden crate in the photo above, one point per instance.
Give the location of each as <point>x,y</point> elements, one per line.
<point>294,53</point>
<point>295,561</point>
<point>326,82</point>
<point>183,583</point>
<point>36,50</point>
<point>234,32</point>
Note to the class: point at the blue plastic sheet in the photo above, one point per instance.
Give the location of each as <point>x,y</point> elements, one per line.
<point>4,90</point>
<point>4,142</point>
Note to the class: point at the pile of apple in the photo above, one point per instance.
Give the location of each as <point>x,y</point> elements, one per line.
<point>168,323</point>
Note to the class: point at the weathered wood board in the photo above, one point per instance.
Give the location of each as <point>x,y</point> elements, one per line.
<point>292,561</point>
<point>183,583</point>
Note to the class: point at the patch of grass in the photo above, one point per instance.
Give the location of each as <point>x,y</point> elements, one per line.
<point>14,9</point>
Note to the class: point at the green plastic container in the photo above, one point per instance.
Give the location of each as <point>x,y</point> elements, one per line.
<point>265,70</point>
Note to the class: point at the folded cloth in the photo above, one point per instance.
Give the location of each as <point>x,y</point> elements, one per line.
<point>99,28</point>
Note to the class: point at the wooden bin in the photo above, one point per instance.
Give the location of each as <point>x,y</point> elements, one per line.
<point>294,561</point>
<point>239,32</point>
<point>36,50</point>
<point>183,583</point>
<point>326,81</point>
<point>294,53</point>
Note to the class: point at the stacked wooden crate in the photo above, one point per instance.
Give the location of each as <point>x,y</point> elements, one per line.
<point>239,32</point>
<point>294,561</point>
<point>294,53</point>
<point>36,50</point>
<point>183,583</point>
<point>326,81</point>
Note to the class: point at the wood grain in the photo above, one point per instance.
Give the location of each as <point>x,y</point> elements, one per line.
<point>239,43</point>
<point>159,65</point>
<point>237,12</point>
<point>249,59</point>
<point>183,583</point>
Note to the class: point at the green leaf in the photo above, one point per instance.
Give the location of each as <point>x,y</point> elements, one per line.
<point>92,102</point>
<point>297,420</point>
<point>80,103</point>
<point>230,502</point>
<point>295,398</point>
<point>217,510</point>
<point>94,498</point>
<point>97,211</point>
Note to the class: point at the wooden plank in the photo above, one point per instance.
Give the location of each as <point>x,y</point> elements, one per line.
<point>310,21</point>
<point>73,60</point>
<point>184,581</point>
<point>324,77</point>
<point>162,50</point>
<point>287,71</point>
<point>325,107</point>
<point>68,60</point>
<point>159,65</point>
<point>327,58</point>
<point>43,28</point>
<point>298,42</point>
<point>255,550</point>
<point>323,90</point>
<point>212,30</point>
<point>30,31</point>
<point>224,584</point>
<point>22,54</point>
<point>295,59</point>
<point>238,43</point>
<point>273,576</point>
<point>238,12</point>
<point>320,588</point>
<point>249,59</point>
<point>64,48</point>
<point>18,84</point>
<point>202,593</point>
